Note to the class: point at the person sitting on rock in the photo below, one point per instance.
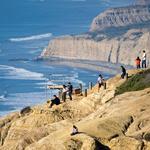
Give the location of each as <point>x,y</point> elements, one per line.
<point>74,130</point>
<point>55,101</point>
<point>138,63</point>
<point>123,72</point>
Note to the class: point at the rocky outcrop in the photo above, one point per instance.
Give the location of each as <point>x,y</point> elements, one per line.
<point>122,48</point>
<point>119,17</point>
<point>98,117</point>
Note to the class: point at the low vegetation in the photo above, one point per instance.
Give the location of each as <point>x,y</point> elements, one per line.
<point>136,82</point>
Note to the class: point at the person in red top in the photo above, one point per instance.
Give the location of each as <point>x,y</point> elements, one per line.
<point>138,63</point>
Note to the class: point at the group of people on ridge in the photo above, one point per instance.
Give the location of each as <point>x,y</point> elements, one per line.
<point>124,73</point>
<point>65,90</point>
<point>138,61</point>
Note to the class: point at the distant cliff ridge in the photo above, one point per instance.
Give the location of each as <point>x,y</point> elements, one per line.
<point>118,35</point>
<point>143,2</point>
<point>121,17</point>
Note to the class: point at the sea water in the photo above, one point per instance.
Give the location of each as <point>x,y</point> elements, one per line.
<point>26,27</point>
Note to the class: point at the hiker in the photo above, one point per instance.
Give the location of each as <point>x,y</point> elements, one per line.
<point>100,81</point>
<point>55,101</point>
<point>64,92</point>
<point>144,59</point>
<point>123,72</point>
<point>74,130</point>
<point>138,63</point>
<point>70,90</point>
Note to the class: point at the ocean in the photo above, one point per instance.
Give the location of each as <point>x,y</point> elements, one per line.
<point>26,27</point>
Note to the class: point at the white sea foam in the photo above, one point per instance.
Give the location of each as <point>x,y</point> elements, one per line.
<point>20,73</point>
<point>33,37</point>
<point>17,101</point>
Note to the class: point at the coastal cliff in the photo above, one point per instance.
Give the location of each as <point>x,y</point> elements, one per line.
<point>119,17</point>
<point>119,49</point>
<point>117,35</point>
<point>97,116</point>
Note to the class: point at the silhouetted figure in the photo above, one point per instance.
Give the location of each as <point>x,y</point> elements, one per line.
<point>123,72</point>
<point>74,130</point>
<point>138,63</point>
<point>144,59</point>
<point>70,90</point>
<point>55,101</point>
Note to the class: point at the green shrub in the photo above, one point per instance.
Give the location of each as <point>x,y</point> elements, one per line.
<point>136,82</point>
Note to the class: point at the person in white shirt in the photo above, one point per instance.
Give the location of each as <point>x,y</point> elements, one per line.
<point>64,92</point>
<point>100,81</point>
<point>144,59</point>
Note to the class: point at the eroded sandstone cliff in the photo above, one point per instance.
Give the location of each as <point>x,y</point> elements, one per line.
<point>118,17</point>
<point>122,48</point>
<point>118,35</point>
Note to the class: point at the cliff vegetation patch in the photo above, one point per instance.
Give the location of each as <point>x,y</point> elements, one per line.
<point>136,82</point>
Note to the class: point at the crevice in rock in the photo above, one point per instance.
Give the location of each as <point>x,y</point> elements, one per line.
<point>113,137</point>
<point>4,133</point>
<point>117,53</point>
<point>109,56</point>
<point>142,146</point>
<point>127,126</point>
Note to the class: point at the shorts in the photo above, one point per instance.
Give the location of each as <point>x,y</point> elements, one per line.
<point>100,84</point>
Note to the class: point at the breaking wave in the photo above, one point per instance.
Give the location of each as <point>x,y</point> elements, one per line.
<point>33,37</point>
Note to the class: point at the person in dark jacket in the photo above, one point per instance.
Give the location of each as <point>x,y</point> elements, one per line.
<point>123,72</point>
<point>55,101</point>
<point>70,90</point>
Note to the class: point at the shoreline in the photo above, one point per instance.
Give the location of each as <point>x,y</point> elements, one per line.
<point>91,65</point>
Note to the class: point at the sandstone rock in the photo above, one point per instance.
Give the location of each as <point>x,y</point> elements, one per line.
<point>120,123</point>
<point>26,110</point>
<point>125,143</point>
<point>115,50</point>
<point>118,17</point>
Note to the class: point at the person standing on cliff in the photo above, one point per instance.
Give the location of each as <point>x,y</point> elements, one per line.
<point>124,73</point>
<point>64,92</point>
<point>70,90</point>
<point>144,59</point>
<point>100,81</point>
<point>138,63</point>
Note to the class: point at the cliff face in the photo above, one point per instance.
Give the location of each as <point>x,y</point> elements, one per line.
<point>120,49</point>
<point>118,17</point>
<point>118,35</point>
